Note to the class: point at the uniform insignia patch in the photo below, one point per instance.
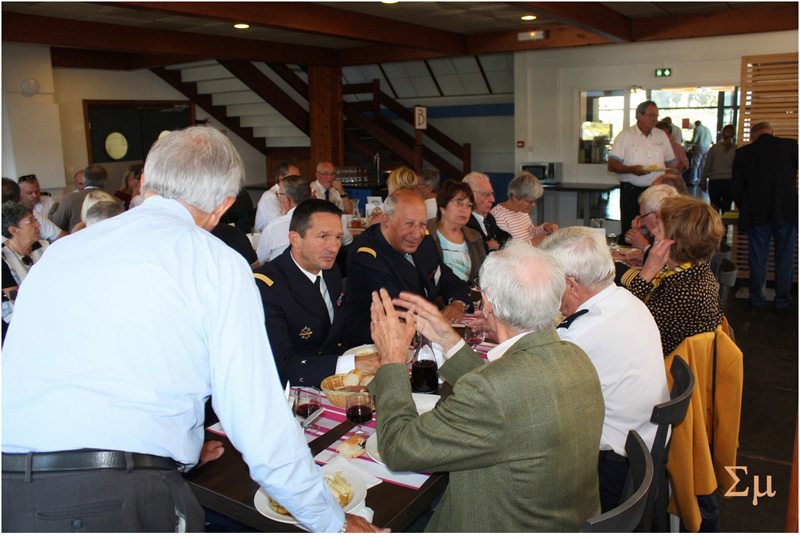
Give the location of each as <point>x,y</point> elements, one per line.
<point>306,333</point>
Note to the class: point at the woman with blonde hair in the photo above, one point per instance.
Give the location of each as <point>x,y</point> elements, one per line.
<point>676,282</point>
<point>130,184</point>
<point>718,170</point>
<point>91,199</point>
<point>402,178</point>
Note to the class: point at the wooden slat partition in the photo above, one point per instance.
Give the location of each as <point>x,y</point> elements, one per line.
<point>769,93</point>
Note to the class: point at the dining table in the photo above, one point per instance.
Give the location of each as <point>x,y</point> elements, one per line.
<point>224,485</point>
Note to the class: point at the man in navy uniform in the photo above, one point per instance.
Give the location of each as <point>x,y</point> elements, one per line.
<point>398,255</point>
<point>302,294</point>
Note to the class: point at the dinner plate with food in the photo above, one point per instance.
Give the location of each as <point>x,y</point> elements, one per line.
<point>346,487</point>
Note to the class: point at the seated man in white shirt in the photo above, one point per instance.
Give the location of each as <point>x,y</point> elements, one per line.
<point>618,333</point>
<point>30,195</point>
<point>327,187</point>
<point>275,237</point>
<point>302,294</point>
<point>269,207</point>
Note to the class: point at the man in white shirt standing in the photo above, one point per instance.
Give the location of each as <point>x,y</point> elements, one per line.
<point>269,207</point>
<point>639,155</point>
<point>97,423</point>
<point>701,143</point>
<point>600,316</point>
<point>327,187</point>
<point>275,237</point>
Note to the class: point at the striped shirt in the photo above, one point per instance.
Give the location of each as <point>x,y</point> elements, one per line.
<point>517,223</point>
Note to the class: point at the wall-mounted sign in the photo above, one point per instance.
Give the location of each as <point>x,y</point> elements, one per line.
<point>420,117</point>
<point>664,72</point>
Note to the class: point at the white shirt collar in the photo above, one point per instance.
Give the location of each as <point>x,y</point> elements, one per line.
<point>480,218</point>
<point>594,299</point>
<point>500,349</point>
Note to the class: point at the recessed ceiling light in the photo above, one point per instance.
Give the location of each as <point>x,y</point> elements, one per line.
<point>528,17</point>
<point>389,1</point>
<point>241,26</point>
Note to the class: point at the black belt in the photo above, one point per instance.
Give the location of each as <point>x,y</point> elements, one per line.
<point>84,460</point>
<point>626,185</point>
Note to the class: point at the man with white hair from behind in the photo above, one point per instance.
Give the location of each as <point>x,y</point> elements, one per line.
<point>599,316</point>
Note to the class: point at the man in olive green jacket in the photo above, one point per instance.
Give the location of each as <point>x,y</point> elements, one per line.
<point>519,435</point>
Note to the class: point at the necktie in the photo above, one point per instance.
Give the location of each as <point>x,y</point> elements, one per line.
<point>409,259</point>
<point>327,194</point>
<point>325,297</point>
<point>318,283</point>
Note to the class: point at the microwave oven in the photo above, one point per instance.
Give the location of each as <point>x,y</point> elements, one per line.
<point>546,173</point>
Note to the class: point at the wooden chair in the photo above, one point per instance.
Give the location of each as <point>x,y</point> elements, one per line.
<point>627,516</point>
<point>656,518</point>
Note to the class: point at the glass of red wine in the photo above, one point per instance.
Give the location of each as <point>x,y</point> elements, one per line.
<point>306,401</point>
<point>474,336</point>
<point>424,369</point>
<point>358,407</point>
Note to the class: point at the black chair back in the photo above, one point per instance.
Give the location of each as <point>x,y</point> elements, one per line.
<point>665,415</point>
<point>627,516</point>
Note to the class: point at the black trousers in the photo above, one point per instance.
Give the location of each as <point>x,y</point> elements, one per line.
<point>100,501</point>
<point>612,470</point>
<point>628,207</point>
<point>719,194</point>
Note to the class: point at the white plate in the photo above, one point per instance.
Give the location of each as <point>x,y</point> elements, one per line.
<point>261,499</point>
<point>372,448</point>
<point>365,349</point>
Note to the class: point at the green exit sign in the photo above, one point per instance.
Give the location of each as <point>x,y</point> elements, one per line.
<point>664,72</point>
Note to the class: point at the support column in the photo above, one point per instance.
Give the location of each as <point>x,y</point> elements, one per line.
<point>326,121</point>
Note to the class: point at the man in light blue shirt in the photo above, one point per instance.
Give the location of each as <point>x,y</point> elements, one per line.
<point>131,380</point>
<point>701,142</point>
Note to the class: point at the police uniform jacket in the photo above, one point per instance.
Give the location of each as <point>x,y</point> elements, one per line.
<point>373,264</point>
<point>305,344</point>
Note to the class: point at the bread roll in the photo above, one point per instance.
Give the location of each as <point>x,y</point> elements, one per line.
<point>353,378</point>
<point>352,448</point>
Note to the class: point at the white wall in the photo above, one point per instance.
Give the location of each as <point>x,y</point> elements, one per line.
<point>547,84</point>
<point>67,88</point>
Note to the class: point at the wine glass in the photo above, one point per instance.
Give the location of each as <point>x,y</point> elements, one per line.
<point>474,336</point>
<point>475,293</point>
<point>358,407</point>
<point>306,401</point>
<point>612,240</point>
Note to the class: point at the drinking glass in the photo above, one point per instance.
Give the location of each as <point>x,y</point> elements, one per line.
<point>474,336</point>
<point>424,370</point>
<point>612,240</point>
<point>598,222</point>
<point>358,406</point>
<point>306,401</point>
<point>475,293</point>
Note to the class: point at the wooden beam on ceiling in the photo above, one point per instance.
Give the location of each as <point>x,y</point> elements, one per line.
<point>593,17</point>
<point>114,37</point>
<point>557,37</point>
<point>770,18</point>
<point>315,19</point>
<point>270,92</point>
<point>204,101</point>
<point>377,54</point>
<point>100,59</point>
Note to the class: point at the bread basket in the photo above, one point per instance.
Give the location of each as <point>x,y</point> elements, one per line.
<point>336,397</point>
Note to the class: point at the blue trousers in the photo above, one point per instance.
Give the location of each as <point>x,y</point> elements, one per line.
<point>785,237</point>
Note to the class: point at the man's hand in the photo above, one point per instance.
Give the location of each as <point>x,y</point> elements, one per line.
<point>212,450</point>
<point>635,238</point>
<point>454,312</point>
<point>359,524</point>
<point>639,170</point>
<point>429,321</point>
<point>338,186</point>
<point>482,324</point>
<point>368,364</point>
<point>391,336</point>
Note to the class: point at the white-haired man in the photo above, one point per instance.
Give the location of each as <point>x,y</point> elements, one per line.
<point>600,315</point>
<point>645,226</point>
<point>527,422</point>
<point>117,421</point>
<point>482,220</point>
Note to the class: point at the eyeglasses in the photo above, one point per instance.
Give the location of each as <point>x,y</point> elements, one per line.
<point>485,193</point>
<point>646,214</point>
<point>29,221</point>
<point>462,203</point>
<point>29,177</point>
<point>326,173</point>
<point>650,115</point>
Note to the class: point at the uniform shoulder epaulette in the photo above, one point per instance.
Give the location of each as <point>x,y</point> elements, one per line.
<point>628,277</point>
<point>368,251</point>
<point>263,278</point>
<point>568,321</point>
<point>427,232</point>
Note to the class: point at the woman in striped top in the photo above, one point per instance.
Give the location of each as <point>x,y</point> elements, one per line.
<point>513,215</point>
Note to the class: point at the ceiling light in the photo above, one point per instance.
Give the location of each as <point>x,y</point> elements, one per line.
<point>389,1</point>
<point>535,35</point>
<point>241,26</point>
<point>528,17</point>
